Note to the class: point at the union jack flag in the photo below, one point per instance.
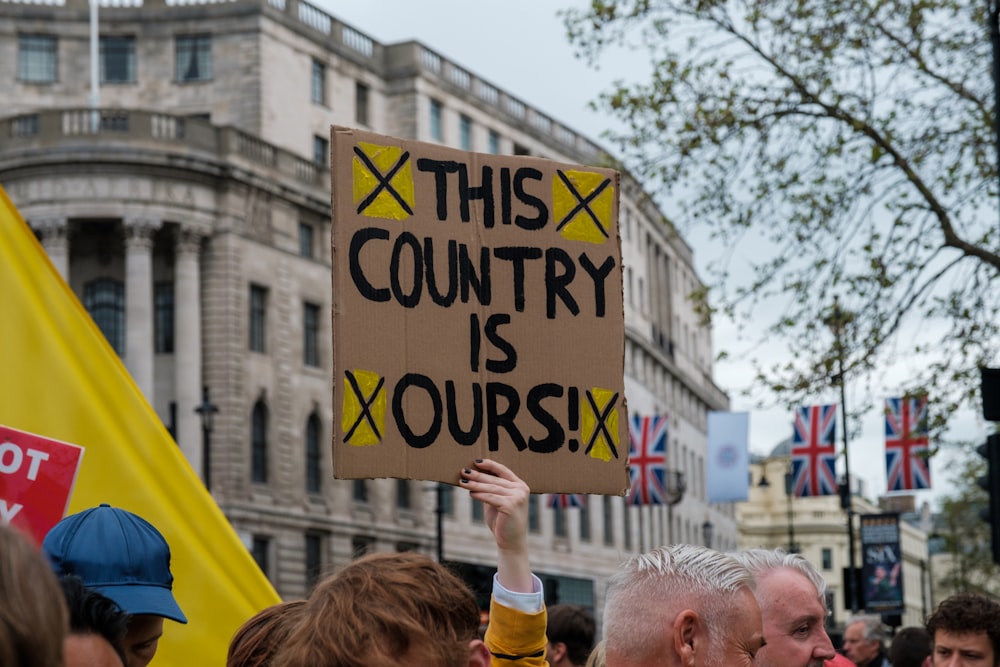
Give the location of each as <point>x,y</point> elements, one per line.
<point>813,454</point>
<point>566,500</point>
<point>647,465</point>
<point>906,444</point>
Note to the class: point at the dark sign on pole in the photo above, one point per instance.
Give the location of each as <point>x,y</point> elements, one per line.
<point>882,564</point>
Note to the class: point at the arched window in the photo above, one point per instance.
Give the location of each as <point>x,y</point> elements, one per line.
<point>104,299</point>
<point>258,443</point>
<point>313,458</point>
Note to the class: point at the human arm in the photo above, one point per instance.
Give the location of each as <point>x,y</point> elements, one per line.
<point>516,633</point>
<point>505,498</point>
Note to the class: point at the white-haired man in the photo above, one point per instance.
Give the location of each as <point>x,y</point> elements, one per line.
<point>681,605</point>
<point>792,599</point>
<point>863,641</point>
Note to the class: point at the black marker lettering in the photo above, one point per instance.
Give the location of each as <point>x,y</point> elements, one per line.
<point>365,288</point>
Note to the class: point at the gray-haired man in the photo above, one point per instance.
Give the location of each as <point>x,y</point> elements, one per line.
<point>792,599</point>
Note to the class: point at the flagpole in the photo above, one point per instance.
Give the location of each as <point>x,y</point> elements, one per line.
<point>836,321</point>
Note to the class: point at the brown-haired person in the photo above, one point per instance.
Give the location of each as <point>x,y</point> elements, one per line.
<point>257,640</point>
<point>965,630</point>
<point>910,647</point>
<point>406,609</point>
<point>33,616</point>
<point>570,632</point>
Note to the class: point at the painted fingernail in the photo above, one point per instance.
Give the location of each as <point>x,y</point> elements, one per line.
<point>464,481</point>
<point>479,460</point>
<point>467,471</point>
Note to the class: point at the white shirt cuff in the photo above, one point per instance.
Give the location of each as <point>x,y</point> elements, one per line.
<point>529,603</point>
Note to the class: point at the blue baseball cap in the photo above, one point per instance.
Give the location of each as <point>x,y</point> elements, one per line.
<point>119,554</point>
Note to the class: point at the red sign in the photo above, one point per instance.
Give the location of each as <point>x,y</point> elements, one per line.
<point>36,479</point>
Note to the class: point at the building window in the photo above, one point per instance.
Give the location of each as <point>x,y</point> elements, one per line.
<point>446,496</point>
<point>585,521</point>
<point>436,133</point>
<point>477,511</point>
<point>117,56</point>
<point>260,550</point>
<point>313,455</point>
<point>360,491</point>
<point>37,60</point>
<point>318,82</point>
<point>534,524</point>
<point>258,318</point>
<point>310,335</point>
<point>258,443</point>
<point>465,132</point>
<point>193,57</point>
<point>314,558</point>
<point>163,305</point>
<point>361,104</point>
<point>826,556</point>
<point>104,299</point>
<point>321,150</point>
<point>559,521</point>
<point>361,545</point>
<point>609,524</point>
<point>403,494</point>
<point>494,142</point>
<point>306,233</point>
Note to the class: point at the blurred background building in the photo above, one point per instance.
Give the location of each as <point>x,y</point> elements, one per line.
<point>816,528</point>
<point>185,199</point>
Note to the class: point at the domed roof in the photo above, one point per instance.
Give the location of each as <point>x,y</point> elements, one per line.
<point>783,448</point>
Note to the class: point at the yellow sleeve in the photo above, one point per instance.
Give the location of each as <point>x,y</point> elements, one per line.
<point>516,638</point>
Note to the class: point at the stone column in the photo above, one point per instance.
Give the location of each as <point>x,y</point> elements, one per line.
<point>187,346</point>
<point>54,234</point>
<point>139,302</point>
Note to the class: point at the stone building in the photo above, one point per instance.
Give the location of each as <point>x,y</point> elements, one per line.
<point>186,201</point>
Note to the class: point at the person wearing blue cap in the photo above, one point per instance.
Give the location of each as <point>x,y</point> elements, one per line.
<point>122,556</point>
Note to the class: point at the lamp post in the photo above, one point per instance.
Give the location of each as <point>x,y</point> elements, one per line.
<point>993,15</point>
<point>792,547</point>
<point>439,511</point>
<point>837,320</point>
<point>206,411</point>
<point>676,486</point>
<point>708,532</point>
<point>764,483</point>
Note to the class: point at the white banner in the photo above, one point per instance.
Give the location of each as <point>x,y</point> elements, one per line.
<point>728,470</point>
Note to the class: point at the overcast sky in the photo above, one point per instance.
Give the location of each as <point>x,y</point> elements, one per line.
<point>521,46</point>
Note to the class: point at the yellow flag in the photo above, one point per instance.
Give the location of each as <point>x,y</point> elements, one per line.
<point>62,380</point>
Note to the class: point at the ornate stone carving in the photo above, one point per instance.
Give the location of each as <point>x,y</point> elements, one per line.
<point>139,231</point>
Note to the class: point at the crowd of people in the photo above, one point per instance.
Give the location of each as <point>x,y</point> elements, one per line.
<point>100,589</point>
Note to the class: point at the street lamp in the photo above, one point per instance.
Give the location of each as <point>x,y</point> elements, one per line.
<point>676,485</point>
<point>792,547</point>
<point>707,532</point>
<point>439,511</point>
<point>206,411</point>
<point>837,321</point>
<point>764,483</point>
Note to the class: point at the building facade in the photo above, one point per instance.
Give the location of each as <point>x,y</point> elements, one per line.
<point>185,199</point>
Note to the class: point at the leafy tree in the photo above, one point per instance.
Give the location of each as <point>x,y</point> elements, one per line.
<point>964,537</point>
<point>837,148</point>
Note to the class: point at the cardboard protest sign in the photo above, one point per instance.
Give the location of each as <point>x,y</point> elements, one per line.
<point>36,480</point>
<point>477,313</point>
